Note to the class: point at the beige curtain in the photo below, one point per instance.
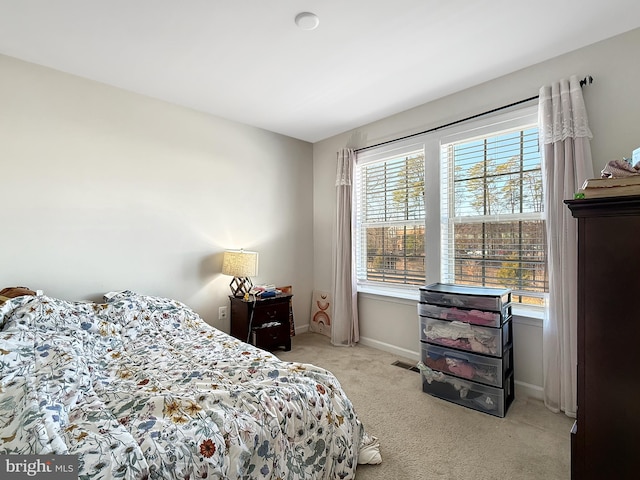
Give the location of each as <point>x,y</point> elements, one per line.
<point>344,327</point>
<point>566,153</point>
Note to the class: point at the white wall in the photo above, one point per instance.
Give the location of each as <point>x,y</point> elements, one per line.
<point>613,105</point>
<point>102,189</point>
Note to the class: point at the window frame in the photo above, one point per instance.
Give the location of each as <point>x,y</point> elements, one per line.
<point>432,142</point>
<point>519,120</point>
<point>397,149</point>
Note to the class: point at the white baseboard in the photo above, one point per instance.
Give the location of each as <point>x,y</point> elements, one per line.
<point>387,347</point>
<point>523,389</point>
<point>529,390</point>
<point>302,329</point>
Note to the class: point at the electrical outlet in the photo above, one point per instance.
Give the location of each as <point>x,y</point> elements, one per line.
<point>222,313</point>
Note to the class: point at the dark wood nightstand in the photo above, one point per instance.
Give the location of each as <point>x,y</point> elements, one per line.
<point>269,325</point>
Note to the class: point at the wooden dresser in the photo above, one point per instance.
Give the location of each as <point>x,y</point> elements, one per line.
<point>605,441</point>
<point>263,322</point>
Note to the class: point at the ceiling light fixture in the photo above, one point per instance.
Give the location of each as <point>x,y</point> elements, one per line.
<point>307,21</point>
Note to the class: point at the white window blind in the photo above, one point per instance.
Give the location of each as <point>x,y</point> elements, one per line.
<point>493,231</point>
<point>459,205</point>
<point>390,217</point>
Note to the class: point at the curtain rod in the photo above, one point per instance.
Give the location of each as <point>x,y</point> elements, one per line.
<point>586,80</point>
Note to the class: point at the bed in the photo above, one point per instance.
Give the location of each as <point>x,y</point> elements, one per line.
<point>141,387</point>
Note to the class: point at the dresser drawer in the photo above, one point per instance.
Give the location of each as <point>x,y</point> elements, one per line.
<point>479,368</point>
<point>271,336</point>
<point>476,317</point>
<point>270,312</point>
<point>464,336</point>
<point>484,398</point>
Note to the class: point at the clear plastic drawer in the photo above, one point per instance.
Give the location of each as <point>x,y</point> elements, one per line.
<point>464,336</point>
<point>481,298</point>
<point>484,398</point>
<point>469,366</point>
<point>474,316</point>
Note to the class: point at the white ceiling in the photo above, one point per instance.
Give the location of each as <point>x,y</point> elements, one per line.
<point>246,60</point>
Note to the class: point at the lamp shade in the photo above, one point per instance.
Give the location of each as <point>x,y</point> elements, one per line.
<point>240,263</point>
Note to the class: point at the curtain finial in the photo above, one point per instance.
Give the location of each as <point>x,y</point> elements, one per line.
<point>586,80</point>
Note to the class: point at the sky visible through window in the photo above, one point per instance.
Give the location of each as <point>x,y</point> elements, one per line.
<point>498,175</point>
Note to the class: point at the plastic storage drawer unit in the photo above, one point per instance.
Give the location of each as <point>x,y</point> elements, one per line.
<point>463,336</point>
<point>484,398</point>
<point>474,316</point>
<point>449,295</point>
<point>479,368</point>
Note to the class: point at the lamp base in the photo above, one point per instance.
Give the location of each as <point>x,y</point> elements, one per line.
<point>240,286</point>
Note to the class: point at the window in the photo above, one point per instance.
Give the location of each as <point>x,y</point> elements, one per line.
<point>493,227</point>
<point>475,218</point>
<point>390,218</point>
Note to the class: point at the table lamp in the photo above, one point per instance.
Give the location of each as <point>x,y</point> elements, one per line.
<point>241,266</point>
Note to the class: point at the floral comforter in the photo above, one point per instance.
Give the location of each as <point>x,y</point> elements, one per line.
<point>142,387</point>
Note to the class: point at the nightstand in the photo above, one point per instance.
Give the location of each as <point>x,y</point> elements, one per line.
<point>269,325</point>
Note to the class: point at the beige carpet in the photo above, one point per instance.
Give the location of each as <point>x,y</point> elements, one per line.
<point>422,437</point>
